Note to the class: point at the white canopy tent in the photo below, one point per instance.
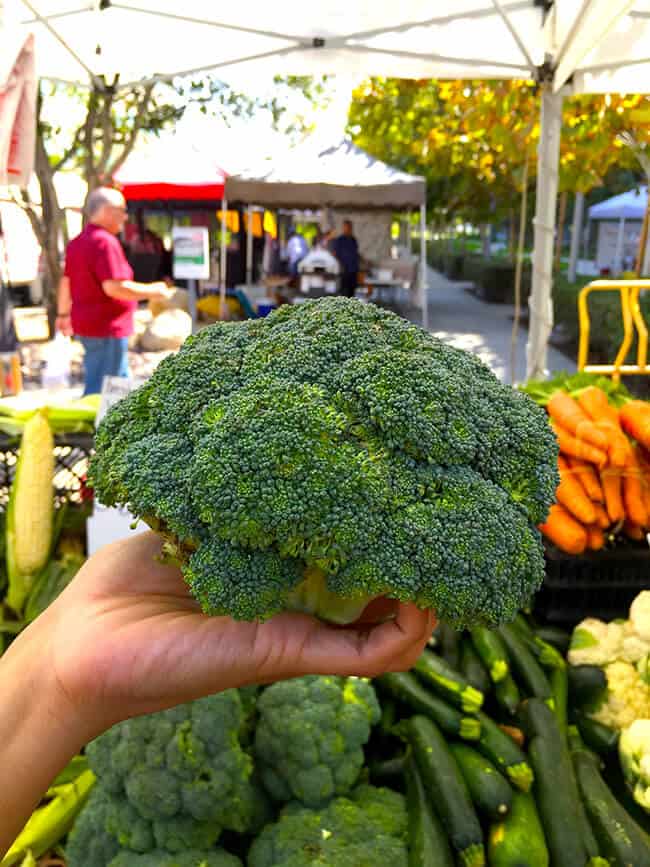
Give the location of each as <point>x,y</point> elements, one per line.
<point>566,45</point>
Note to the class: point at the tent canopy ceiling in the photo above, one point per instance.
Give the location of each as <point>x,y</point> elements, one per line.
<point>630,206</point>
<point>339,176</point>
<point>599,45</point>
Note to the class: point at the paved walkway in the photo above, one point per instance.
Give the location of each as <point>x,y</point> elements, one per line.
<point>458,317</point>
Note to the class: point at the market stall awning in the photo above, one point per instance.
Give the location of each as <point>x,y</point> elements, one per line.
<point>171,171</point>
<point>342,176</point>
<point>631,205</point>
<point>18,85</point>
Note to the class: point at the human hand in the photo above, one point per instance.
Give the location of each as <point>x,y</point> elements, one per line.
<point>63,324</point>
<point>126,638</point>
<point>162,291</point>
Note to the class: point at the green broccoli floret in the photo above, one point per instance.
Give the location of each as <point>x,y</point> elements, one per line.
<point>188,858</point>
<point>174,780</point>
<point>89,842</point>
<point>310,736</point>
<point>367,829</point>
<point>329,454</point>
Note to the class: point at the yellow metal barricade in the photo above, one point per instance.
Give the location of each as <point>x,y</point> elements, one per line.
<point>629,291</point>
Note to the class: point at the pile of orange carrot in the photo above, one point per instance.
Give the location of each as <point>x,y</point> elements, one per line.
<point>604,467</point>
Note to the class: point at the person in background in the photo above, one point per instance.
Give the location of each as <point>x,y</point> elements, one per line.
<point>297,249</point>
<point>97,295</point>
<point>346,250</point>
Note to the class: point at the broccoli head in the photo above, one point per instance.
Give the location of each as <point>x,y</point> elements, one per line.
<point>330,454</point>
<point>363,830</point>
<point>89,842</point>
<point>188,858</point>
<point>174,780</point>
<point>310,736</point>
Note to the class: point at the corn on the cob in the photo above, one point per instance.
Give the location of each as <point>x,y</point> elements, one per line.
<point>30,510</point>
<point>49,824</point>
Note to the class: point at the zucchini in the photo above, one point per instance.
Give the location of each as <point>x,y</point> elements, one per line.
<point>388,717</point>
<point>599,737</point>
<point>558,638</point>
<point>525,666</point>
<point>492,651</point>
<point>587,686</point>
<point>472,668</point>
<point>560,690</point>
<point>622,841</point>
<point>449,684</point>
<point>407,689</point>
<point>507,694</point>
<point>490,792</point>
<point>449,647</point>
<point>518,839</point>
<point>503,752</point>
<point>446,789</point>
<point>428,843</point>
<point>388,771</point>
<point>554,789</point>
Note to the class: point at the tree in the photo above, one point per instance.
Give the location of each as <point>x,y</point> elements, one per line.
<point>102,124</point>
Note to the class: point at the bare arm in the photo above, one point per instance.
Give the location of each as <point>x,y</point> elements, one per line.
<point>63,307</point>
<point>129,290</point>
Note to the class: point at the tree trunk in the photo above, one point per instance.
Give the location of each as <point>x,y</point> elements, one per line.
<point>576,235</point>
<point>559,238</point>
<point>643,239</point>
<point>486,234</point>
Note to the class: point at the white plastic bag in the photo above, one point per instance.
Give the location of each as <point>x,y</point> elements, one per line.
<point>58,358</point>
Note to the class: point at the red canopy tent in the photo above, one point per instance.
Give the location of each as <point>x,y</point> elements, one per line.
<point>173,172</point>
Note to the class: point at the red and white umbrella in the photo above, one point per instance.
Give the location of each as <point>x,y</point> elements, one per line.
<point>18,92</point>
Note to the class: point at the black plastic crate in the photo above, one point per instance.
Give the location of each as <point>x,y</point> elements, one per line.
<point>598,584</point>
<point>71,455</point>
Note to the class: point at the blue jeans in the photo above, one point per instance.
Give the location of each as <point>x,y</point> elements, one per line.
<point>103,356</point>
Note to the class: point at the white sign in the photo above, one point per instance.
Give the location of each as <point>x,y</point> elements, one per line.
<point>109,524</point>
<point>191,246</point>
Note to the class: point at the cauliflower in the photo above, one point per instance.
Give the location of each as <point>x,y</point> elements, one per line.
<point>596,643</point>
<point>628,697</point>
<point>640,615</point>
<point>634,753</point>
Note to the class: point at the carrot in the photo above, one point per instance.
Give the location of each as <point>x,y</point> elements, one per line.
<point>635,419</point>
<point>595,538</point>
<point>644,463</point>
<point>602,518</point>
<point>572,496</point>
<point>578,448</point>
<point>564,531</point>
<point>588,479</point>
<point>610,479</point>
<point>633,498</point>
<point>618,445</point>
<point>595,403</point>
<point>567,412</point>
<point>633,531</point>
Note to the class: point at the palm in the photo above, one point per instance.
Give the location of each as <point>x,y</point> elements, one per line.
<point>130,639</point>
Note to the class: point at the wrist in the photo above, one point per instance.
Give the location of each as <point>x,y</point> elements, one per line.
<point>62,315</point>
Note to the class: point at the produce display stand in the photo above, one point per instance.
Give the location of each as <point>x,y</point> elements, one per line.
<point>598,584</point>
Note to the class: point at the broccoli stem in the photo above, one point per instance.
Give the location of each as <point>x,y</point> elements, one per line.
<point>312,596</point>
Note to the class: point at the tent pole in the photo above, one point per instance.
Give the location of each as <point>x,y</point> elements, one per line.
<point>618,255</point>
<point>423,267</point>
<point>541,302</point>
<point>249,249</point>
<point>224,253</point>
<point>576,234</point>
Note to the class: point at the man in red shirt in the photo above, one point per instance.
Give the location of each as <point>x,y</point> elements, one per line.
<point>97,295</point>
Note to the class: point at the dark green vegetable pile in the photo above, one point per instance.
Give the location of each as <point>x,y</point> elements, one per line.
<point>480,755</point>
<point>330,454</point>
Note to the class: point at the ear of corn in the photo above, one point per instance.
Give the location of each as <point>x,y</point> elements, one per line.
<point>30,510</point>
